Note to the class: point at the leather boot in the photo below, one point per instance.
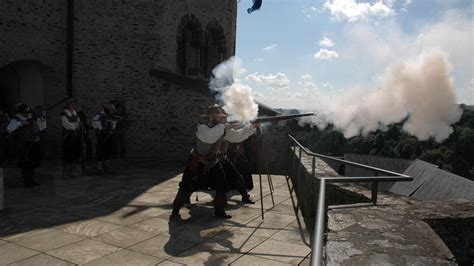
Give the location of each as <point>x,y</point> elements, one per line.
<point>220,202</point>
<point>65,172</point>
<point>108,167</point>
<point>71,170</point>
<point>100,167</point>
<point>243,192</point>
<point>247,199</point>
<point>178,202</point>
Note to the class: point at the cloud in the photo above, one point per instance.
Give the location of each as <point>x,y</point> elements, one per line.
<point>326,42</point>
<point>351,10</point>
<point>405,5</point>
<point>381,45</point>
<point>310,11</point>
<point>325,54</point>
<point>270,48</point>
<point>327,85</point>
<point>276,82</point>
<point>258,60</point>
<point>306,77</point>
<point>416,89</point>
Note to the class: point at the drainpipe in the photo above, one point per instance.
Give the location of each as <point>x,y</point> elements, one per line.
<point>70,46</point>
<point>2,191</point>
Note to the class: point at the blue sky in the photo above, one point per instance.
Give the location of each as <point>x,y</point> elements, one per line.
<point>284,60</point>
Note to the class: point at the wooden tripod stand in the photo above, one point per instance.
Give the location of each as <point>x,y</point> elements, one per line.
<point>260,165</point>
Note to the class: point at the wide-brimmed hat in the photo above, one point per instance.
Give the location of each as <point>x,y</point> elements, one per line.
<point>110,106</point>
<point>22,108</point>
<point>215,110</point>
<point>70,101</point>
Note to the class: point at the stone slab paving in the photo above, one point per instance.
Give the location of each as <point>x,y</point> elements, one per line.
<point>42,259</point>
<point>123,219</point>
<point>10,253</point>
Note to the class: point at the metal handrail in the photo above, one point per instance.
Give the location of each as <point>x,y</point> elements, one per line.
<point>319,226</point>
<point>363,166</point>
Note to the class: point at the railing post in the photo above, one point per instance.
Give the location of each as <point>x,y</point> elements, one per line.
<point>313,171</point>
<point>318,235</point>
<point>298,167</point>
<point>2,192</point>
<point>290,157</point>
<point>375,190</point>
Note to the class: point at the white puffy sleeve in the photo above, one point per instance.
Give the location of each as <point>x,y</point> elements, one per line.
<point>68,125</point>
<point>96,124</point>
<point>210,134</point>
<point>239,135</point>
<point>13,125</point>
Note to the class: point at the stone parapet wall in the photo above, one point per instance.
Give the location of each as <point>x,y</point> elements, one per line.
<point>397,231</point>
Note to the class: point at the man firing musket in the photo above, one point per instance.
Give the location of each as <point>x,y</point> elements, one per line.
<point>204,169</point>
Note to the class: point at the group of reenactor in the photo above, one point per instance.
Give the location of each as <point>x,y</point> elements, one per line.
<point>107,119</point>
<point>27,130</point>
<point>211,164</point>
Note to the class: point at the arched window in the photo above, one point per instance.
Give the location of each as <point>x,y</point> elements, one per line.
<point>189,39</point>
<point>214,49</point>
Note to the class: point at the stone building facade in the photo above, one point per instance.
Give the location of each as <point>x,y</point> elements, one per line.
<point>155,56</point>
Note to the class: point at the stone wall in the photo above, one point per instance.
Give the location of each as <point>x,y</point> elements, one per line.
<point>36,30</point>
<point>276,143</point>
<point>116,43</point>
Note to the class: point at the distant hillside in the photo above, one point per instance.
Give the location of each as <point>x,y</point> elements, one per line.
<point>455,154</point>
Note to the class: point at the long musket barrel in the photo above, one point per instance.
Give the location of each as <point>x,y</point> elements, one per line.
<point>280,118</point>
<point>270,119</point>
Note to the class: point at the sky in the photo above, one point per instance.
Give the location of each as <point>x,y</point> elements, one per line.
<point>291,50</point>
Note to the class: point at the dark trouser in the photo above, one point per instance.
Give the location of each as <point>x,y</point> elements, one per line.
<point>214,178</point>
<point>30,158</point>
<point>72,147</point>
<point>43,138</point>
<point>120,147</point>
<point>244,168</point>
<point>105,147</point>
<point>3,147</point>
<point>235,178</point>
<point>88,143</point>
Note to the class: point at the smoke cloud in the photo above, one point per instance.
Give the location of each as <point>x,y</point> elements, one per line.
<point>418,90</point>
<point>237,98</point>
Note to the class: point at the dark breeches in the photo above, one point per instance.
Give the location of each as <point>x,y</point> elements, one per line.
<point>72,148</point>
<point>105,147</point>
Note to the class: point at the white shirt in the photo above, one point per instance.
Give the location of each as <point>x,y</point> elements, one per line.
<point>15,123</point>
<point>212,134</point>
<point>68,125</point>
<point>96,124</point>
<point>42,124</point>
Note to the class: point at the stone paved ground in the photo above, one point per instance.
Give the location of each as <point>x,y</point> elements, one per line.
<point>122,219</point>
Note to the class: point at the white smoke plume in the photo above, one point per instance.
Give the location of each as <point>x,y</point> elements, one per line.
<point>237,98</point>
<point>419,89</point>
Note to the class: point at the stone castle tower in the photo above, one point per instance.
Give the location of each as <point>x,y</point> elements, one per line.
<point>154,56</point>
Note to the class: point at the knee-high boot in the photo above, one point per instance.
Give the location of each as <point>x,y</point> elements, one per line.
<point>179,201</point>
<point>220,202</point>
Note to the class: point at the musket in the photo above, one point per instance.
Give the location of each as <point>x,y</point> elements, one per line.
<point>271,119</point>
<point>278,118</point>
